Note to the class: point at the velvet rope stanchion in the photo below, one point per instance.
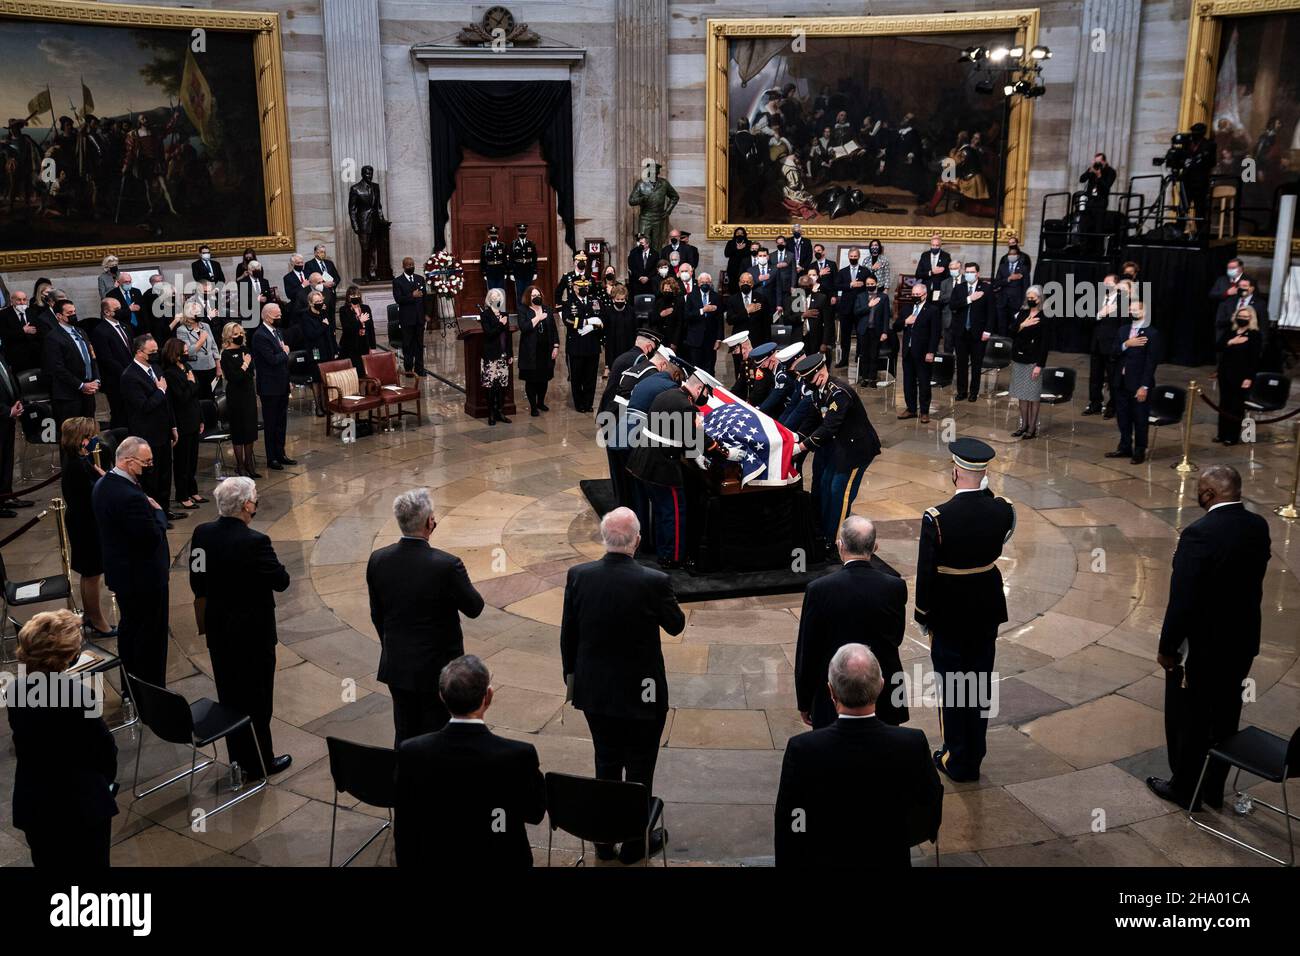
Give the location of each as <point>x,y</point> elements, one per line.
<point>1289,511</point>
<point>1186,466</point>
<point>59,508</point>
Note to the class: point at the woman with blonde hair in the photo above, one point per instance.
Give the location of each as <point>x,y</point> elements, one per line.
<point>82,466</point>
<point>1239,351</point>
<point>241,396</point>
<point>108,278</point>
<point>1029,345</point>
<point>498,353</point>
<point>64,790</point>
<point>199,344</point>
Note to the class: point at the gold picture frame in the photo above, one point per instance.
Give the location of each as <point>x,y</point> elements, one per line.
<point>269,65</point>
<point>1024,23</point>
<point>1204,39</point>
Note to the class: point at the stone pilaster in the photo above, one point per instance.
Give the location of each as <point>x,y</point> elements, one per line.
<point>641,115</point>
<point>1102,117</point>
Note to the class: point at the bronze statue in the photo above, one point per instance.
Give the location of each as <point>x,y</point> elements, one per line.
<point>368,222</point>
<point>655,199</point>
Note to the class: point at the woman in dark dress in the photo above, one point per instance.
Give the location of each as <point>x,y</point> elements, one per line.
<point>183,395</point>
<point>738,255</point>
<point>1239,351</point>
<point>241,397</point>
<point>668,317</point>
<point>82,467</point>
<point>66,763</point>
<point>498,354</point>
<point>358,328</point>
<point>1030,330</point>
<point>539,346</point>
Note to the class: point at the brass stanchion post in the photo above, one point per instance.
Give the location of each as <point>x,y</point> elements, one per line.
<point>1289,510</point>
<point>1187,466</point>
<point>59,507</point>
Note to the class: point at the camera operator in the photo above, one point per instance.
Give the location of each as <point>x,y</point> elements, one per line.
<point>1191,162</point>
<point>1097,181</point>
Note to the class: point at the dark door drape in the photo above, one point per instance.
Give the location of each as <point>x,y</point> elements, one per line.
<point>499,118</point>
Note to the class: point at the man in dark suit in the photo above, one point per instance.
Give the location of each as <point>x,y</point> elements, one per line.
<point>1210,635</point>
<point>677,243</point>
<point>114,351</point>
<point>130,300</point>
<point>295,280</point>
<point>1010,280</point>
<point>1136,353</point>
<point>11,407</point>
<point>859,600</point>
<point>417,594</point>
<point>858,793</point>
<point>254,291</point>
<point>158,310</point>
<point>849,284</point>
<point>19,335</point>
<point>749,311</point>
<point>324,266</point>
<point>703,324</point>
<point>463,793</point>
<point>641,264</point>
<point>234,571</point>
<point>205,268</point>
<point>133,538</point>
<point>149,416</point>
<point>612,661</point>
<point>271,364</point>
<point>920,327</point>
<point>73,371</point>
<point>1225,286</point>
<point>972,326</point>
<point>408,293</point>
<point>1101,346</point>
<point>932,267</point>
<point>1247,297</point>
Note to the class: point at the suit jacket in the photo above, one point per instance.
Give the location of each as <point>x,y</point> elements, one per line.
<point>23,349</point>
<point>113,353</point>
<point>875,319</point>
<point>133,537</point>
<point>856,604</point>
<point>856,794</point>
<point>1136,367</point>
<point>703,328</point>
<point>978,311</point>
<point>1105,328</point>
<point>410,308</point>
<point>1215,591</point>
<point>62,361</point>
<point>463,797</point>
<point>270,362</point>
<point>922,337</point>
<point>138,321</point>
<point>209,271</point>
<point>249,288</point>
<point>687,252</point>
<point>845,291</point>
<point>352,343</point>
<point>923,267</point>
<point>1011,292</point>
<point>148,413</point>
<point>238,577</point>
<point>1228,308</point>
<point>417,594</point>
<point>637,269</point>
<point>609,636</point>
<point>293,285</point>
<point>758,324</point>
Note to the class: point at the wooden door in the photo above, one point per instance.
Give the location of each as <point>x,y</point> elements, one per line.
<point>503,193</point>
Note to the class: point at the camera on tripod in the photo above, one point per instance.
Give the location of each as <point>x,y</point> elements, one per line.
<point>1175,158</point>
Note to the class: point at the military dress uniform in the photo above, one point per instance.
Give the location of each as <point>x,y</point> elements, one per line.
<point>609,417</point>
<point>785,386</point>
<point>494,261</point>
<point>758,381</point>
<point>844,444</point>
<point>959,600</point>
<point>584,338</point>
<point>523,264</point>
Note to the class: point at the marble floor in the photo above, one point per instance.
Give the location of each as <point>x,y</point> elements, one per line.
<point>1079,724</point>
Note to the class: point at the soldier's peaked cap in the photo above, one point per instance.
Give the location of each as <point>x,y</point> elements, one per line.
<point>810,364</point>
<point>971,453</point>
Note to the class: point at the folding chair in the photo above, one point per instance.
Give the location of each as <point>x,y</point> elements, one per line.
<point>1058,389</point>
<point>369,774</point>
<point>997,356</point>
<point>54,587</point>
<point>1166,405</point>
<point>601,811</point>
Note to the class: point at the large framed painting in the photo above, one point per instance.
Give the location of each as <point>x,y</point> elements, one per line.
<point>864,127</point>
<point>1241,82</point>
<point>140,131</point>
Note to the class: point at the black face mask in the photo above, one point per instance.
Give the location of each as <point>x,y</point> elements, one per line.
<point>620,305</point>
<point>537,300</point>
<point>317,308</point>
<point>409,272</point>
<point>238,340</point>
<point>853,261</point>
<point>871,290</point>
<point>706,286</point>
<point>746,286</point>
<point>355,300</point>
<point>1032,302</point>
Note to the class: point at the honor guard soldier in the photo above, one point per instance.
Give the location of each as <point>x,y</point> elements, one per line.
<point>672,438</point>
<point>844,441</point>
<point>585,335</point>
<point>523,264</point>
<point>760,370</point>
<point>609,413</point>
<point>960,603</point>
<point>785,387</point>
<point>738,347</point>
<point>572,280</point>
<point>493,261</point>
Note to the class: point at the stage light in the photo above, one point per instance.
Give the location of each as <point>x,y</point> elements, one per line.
<point>1040,53</point>
<point>1017,52</point>
<point>1008,90</point>
<point>967,55</point>
<point>998,54</point>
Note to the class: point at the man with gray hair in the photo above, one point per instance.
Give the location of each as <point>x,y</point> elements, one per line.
<point>858,793</point>
<point>612,661</point>
<point>234,574</point>
<point>864,601</point>
<point>417,594</point>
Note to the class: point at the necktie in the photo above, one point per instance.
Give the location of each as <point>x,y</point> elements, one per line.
<point>81,347</point>
<point>153,376</point>
<point>122,333</point>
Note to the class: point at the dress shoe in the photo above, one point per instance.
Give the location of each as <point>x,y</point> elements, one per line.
<point>1109,413</point>
<point>275,466</point>
<point>97,633</point>
<point>505,421</point>
<point>1018,432</point>
<point>1227,443</point>
<point>533,412</point>
<point>275,765</point>
<point>1119,453</point>
<point>288,461</point>
<point>491,419</point>
<point>1092,410</point>
<point>925,419</point>
<point>543,406</point>
<point>176,516</point>
<point>903,415</point>
<point>253,474</point>
<point>632,851</point>
<point>974,397</point>
<point>422,372</point>
<point>1028,435</point>
<point>1138,458</point>
<point>1165,791</point>
<point>938,765</point>
<point>20,503</point>
<point>8,513</point>
<point>959,397</point>
<point>606,852</point>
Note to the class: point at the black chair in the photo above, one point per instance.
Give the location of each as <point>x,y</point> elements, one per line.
<point>887,361</point>
<point>1269,392</point>
<point>1166,405</point>
<point>39,428</point>
<point>942,370</point>
<point>997,356</point>
<point>34,386</point>
<point>642,305</point>
<point>369,774</point>
<point>43,590</point>
<point>199,724</point>
<point>1265,755</point>
<point>601,811</point>
<point>215,429</point>
<point>1058,388</point>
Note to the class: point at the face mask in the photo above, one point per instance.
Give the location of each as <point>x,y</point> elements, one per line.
<point>126,287</point>
<point>205,256</point>
<point>686,277</point>
<point>319,287</point>
<point>853,260</point>
<point>871,290</point>
<point>780,245</point>
<point>706,286</point>
<point>746,286</point>
<point>1012,257</point>
<point>316,307</point>
<point>410,271</point>
<point>537,300</point>
<point>112,270</point>
<point>620,304</point>
<point>1032,302</point>
<point>762,260</point>
<point>972,276</point>
<point>355,300</point>
<point>1242,323</point>
<point>663,271</point>
<point>934,248</point>
<point>954,273</point>
<point>1232,273</point>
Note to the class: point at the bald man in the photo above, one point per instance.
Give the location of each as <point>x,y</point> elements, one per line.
<point>1210,635</point>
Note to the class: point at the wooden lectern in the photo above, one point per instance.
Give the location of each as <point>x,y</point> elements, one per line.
<point>470,333</point>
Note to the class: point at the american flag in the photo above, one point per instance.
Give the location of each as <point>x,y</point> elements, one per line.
<point>767,445</point>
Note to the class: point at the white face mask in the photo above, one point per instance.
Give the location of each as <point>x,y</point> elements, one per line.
<point>319,287</point>
<point>762,260</point>
<point>205,256</point>
<point>663,271</point>
<point>1233,273</point>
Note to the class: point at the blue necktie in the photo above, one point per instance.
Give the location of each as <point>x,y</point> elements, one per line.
<point>85,354</point>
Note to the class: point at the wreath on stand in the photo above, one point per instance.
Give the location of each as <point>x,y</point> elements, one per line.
<point>446,279</point>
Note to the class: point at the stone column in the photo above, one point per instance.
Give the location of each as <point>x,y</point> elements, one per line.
<point>354,93</point>
<point>1102,117</point>
<point>641,116</point>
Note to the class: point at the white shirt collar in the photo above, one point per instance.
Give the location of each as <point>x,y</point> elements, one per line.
<point>122,474</point>
<point>855,716</point>
<point>1221,504</point>
<point>467,720</point>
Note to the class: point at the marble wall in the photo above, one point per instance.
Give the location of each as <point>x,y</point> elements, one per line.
<point>601,185</point>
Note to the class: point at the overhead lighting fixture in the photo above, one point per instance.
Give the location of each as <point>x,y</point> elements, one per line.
<point>1040,53</point>
<point>998,54</point>
<point>1017,51</point>
<point>1008,90</point>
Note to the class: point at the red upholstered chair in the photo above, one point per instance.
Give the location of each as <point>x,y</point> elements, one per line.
<point>341,399</point>
<point>382,367</point>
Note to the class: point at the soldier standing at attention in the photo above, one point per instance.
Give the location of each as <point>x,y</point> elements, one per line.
<point>493,261</point>
<point>523,265</point>
<point>960,603</point>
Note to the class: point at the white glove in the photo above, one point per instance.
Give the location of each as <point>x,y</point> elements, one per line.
<point>735,453</point>
<point>702,461</point>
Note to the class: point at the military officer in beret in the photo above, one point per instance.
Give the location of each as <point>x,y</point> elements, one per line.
<point>960,603</point>
<point>523,264</point>
<point>494,261</point>
<point>844,441</point>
